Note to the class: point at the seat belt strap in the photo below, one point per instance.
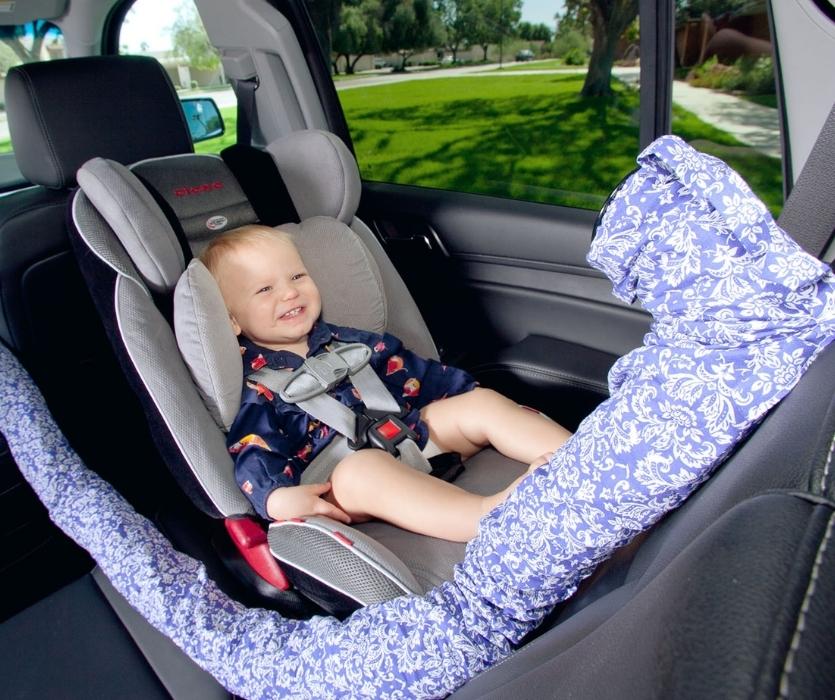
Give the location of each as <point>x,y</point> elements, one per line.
<point>245,92</point>
<point>809,214</point>
<point>321,406</point>
<point>373,391</point>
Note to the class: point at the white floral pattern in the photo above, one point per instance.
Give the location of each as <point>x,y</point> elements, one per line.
<point>739,313</point>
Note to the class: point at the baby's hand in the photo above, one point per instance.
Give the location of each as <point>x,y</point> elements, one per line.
<point>300,501</point>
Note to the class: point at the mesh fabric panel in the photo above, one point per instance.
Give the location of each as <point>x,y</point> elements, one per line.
<point>316,551</point>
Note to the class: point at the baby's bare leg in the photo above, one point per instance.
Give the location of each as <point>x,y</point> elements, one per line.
<point>372,483</point>
<point>468,422</point>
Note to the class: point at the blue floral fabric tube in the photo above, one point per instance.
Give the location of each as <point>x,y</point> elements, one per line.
<point>739,312</point>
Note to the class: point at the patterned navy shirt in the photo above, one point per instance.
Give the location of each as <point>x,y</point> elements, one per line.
<point>272,441</point>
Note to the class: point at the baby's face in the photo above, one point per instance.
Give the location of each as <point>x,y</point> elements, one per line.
<point>271,298</point>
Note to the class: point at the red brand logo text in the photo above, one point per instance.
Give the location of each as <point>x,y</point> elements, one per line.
<point>198,189</point>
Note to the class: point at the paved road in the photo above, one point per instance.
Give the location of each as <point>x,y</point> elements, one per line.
<point>751,123</point>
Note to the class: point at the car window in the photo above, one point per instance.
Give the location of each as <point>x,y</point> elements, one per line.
<point>517,98</point>
<point>498,97</point>
<point>173,34</point>
<point>724,91</point>
<point>22,43</point>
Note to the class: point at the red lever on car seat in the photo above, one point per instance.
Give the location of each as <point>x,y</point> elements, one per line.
<point>250,538</point>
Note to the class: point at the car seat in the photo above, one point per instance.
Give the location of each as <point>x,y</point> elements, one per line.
<point>138,229</point>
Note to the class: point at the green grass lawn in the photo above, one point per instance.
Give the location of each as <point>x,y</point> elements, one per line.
<point>552,64</point>
<point>530,137</point>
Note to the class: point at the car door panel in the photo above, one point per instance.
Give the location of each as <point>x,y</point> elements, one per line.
<point>507,293</point>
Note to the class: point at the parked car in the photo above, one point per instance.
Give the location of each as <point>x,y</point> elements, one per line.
<point>524,55</point>
<point>731,596</point>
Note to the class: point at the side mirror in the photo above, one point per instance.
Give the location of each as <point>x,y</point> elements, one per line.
<point>203,118</point>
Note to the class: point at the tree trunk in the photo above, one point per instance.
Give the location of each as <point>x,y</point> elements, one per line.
<point>350,66</point>
<point>404,55</point>
<point>609,21</point>
<point>599,76</point>
<point>484,48</point>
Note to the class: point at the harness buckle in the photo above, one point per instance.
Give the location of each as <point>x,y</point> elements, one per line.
<point>385,433</point>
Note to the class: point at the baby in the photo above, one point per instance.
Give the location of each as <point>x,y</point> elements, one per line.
<point>275,306</point>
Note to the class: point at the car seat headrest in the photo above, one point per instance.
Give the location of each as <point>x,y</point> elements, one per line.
<point>201,192</point>
<point>123,108</point>
<point>136,219</point>
<point>320,173</point>
<point>352,295</point>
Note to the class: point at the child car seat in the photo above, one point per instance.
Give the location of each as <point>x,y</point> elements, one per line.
<point>142,225</point>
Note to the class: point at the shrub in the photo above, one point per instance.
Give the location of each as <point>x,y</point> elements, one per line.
<point>575,57</point>
<point>753,76</point>
<point>570,41</point>
<point>758,75</point>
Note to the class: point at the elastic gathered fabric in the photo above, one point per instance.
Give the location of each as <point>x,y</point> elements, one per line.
<point>739,314</point>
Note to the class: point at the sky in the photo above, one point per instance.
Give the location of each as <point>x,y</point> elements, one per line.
<point>147,18</point>
<point>541,11</point>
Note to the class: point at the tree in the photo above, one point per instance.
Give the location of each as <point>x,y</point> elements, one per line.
<point>494,20</point>
<point>358,32</point>
<point>408,27</point>
<point>534,32</point>
<point>17,36</point>
<point>325,17</point>
<point>190,40</point>
<point>457,17</point>
<point>693,9</point>
<point>609,19</point>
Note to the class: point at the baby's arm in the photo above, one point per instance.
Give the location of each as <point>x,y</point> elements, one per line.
<point>299,501</point>
<point>269,452</point>
<point>416,380</point>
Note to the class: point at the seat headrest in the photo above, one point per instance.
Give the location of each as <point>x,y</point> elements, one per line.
<point>320,174</point>
<point>62,113</point>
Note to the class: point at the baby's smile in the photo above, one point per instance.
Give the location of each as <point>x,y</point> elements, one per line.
<point>292,313</point>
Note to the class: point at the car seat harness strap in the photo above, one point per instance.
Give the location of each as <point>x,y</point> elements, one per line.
<point>380,425</point>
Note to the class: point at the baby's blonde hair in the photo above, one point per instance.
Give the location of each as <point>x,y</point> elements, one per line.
<point>220,246</point>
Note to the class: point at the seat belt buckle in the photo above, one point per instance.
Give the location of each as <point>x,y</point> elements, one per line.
<point>385,433</point>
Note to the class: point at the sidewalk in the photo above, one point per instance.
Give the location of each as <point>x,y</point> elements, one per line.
<point>753,124</point>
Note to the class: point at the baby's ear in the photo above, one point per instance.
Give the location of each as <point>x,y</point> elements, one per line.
<point>236,328</point>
